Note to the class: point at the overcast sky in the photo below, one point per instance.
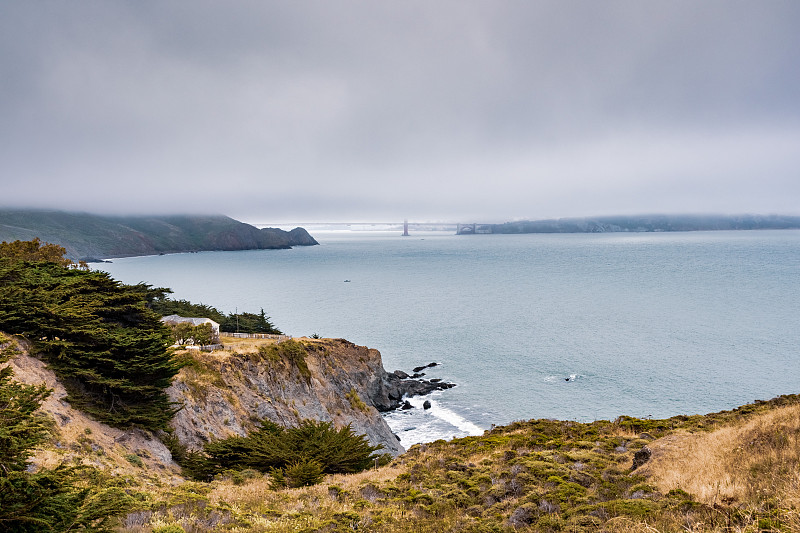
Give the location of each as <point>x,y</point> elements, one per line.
<point>372,110</point>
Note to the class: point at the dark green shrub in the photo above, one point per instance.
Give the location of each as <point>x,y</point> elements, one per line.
<point>239,477</point>
<point>249,323</point>
<point>241,322</point>
<point>303,473</point>
<point>134,459</point>
<point>271,448</point>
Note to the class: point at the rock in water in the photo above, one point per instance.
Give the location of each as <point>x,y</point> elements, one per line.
<point>426,405</point>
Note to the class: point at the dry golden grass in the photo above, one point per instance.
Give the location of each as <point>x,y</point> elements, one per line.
<point>743,477</point>
<point>336,504</point>
<point>257,492</point>
<point>244,345</point>
<point>754,464</point>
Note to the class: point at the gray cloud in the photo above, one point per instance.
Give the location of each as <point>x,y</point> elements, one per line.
<point>357,110</point>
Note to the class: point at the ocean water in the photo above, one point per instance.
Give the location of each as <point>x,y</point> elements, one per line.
<point>577,326</point>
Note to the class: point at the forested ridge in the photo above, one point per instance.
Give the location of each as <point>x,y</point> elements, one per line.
<point>91,237</point>
<point>646,223</point>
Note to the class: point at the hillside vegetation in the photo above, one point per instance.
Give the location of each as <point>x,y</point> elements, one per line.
<point>232,322</point>
<point>729,471</point>
<point>260,419</point>
<point>86,236</point>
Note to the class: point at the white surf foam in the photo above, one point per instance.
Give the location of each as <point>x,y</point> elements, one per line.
<point>419,425</point>
<point>449,416</point>
<point>556,379</point>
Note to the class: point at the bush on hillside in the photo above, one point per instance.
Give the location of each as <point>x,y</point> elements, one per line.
<point>295,453</point>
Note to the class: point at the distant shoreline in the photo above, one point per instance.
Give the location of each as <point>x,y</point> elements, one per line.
<point>636,224</point>
<point>93,238</point>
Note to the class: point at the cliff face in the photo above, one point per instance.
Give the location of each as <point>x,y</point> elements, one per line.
<point>299,237</point>
<point>226,392</point>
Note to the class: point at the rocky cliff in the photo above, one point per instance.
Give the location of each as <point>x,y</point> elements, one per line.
<point>226,392</point>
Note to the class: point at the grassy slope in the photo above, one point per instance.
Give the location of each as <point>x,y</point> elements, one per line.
<point>735,470</point>
<point>730,471</point>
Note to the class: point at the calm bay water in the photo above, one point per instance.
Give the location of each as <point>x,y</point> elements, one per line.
<point>578,326</point>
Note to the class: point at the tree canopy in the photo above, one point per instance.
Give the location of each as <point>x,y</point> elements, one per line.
<point>286,452</point>
<point>36,250</point>
<point>108,348</point>
<point>242,322</point>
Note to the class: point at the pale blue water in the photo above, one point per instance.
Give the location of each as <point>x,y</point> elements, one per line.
<point>653,324</point>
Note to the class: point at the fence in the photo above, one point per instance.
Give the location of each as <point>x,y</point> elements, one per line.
<point>255,336</point>
<point>201,347</point>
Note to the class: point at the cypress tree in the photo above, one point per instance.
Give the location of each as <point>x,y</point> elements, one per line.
<point>271,448</point>
<point>97,334</point>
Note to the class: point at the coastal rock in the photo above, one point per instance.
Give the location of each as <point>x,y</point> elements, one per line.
<point>227,392</point>
<point>426,405</point>
<point>521,517</point>
<point>387,393</point>
<point>641,457</point>
<point>301,237</point>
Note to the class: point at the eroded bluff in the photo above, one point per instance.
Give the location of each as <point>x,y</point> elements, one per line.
<point>226,392</point>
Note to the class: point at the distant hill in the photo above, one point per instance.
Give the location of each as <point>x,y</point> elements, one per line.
<point>91,237</point>
<point>643,223</point>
